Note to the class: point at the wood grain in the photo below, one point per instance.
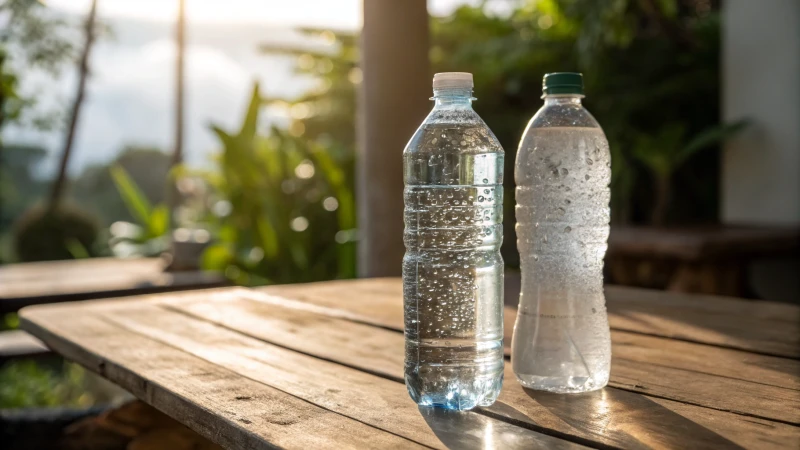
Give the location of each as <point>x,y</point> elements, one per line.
<point>623,419</point>
<point>231,410</point>
<point>757,326</point>
<point>369,399</point>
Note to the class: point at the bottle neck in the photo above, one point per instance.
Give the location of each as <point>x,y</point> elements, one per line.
<point>453,97</point>
<point>562,99</point>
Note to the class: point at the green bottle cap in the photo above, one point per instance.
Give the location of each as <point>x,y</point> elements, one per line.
<point>562,83</point>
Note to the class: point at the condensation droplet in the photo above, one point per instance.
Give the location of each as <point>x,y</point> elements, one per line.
<point>567,229</point>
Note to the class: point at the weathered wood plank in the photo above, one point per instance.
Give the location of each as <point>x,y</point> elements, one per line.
<point>47,282</point>
<point>231,410</point>
<point>758,326</point>
<point>619,418</point>
<point>372,400</point>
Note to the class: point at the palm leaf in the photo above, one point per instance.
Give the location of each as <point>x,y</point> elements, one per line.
<point>132,196</point>
<point>709,138</point>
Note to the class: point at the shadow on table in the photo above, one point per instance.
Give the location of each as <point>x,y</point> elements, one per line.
<point>616,417</point>
<point>469,430</point>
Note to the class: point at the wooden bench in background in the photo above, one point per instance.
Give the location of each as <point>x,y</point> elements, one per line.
<point>62,281</point>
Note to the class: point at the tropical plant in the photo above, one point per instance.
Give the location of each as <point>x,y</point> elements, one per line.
<point>94,188</point>
<point>148,237</point>
<point>281,208</point>
<point>664,153</point>
<point>649,66</point>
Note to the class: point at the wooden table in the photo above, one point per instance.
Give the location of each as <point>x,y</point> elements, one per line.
<point>58,281</point>
<point>321,366</point>
<point>61,281</point>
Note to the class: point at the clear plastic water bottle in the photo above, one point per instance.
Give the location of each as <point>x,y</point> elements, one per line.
<point>452,269</point>
<point>561,338</point>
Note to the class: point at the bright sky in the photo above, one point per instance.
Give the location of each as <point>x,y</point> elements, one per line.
<point>132,88</point>
<point>331,13</point>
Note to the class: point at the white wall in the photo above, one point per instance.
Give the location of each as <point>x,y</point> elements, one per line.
<point>761,81</point>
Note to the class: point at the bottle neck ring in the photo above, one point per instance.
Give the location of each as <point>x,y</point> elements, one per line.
<point>562,99</point>
<point>453,96</point>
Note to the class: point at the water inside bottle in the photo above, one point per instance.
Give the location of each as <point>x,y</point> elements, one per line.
<point>561,337</point>
<point>453,271</point>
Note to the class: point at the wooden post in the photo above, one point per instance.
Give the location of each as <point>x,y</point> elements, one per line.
<point>393,101</point>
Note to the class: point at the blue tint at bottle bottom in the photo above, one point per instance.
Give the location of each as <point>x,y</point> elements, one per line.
<point>456,385</point>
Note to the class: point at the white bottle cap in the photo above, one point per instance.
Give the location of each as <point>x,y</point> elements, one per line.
<point>452,80</point>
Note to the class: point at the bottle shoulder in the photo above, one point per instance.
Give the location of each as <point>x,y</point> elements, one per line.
<point>563,115</point>
<point>453,131</point>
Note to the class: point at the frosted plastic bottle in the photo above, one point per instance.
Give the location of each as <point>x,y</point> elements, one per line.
<point>452,269</point>
<point>561,337</point>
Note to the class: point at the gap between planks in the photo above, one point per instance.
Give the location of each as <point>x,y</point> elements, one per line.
<point>756,326</point>
<point>203,396</point>
<point>289,327</point>
<point>363,397</point>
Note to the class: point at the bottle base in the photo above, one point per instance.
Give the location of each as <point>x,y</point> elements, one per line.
<point>562,385</point>
<point>456,396</point>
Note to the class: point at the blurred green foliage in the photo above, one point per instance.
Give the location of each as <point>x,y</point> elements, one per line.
<point>149,235</point>
<point>48,234</point>
<point>651,68</point>
<point>19,186</point>
<point>27,384</point>
<point>31,37</point>
<point>280,207</point>
<point>95,188</point>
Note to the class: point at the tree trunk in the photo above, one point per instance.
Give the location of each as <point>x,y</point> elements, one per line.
<point>173,197</point>
<point>83,73</point>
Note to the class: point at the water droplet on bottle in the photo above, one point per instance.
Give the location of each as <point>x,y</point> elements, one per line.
<point>589,161</point>
<point>485,180</point>
<point>480,198</point>
<point>567,229</point>
<point>587,177</point>
<point>564,172</point>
